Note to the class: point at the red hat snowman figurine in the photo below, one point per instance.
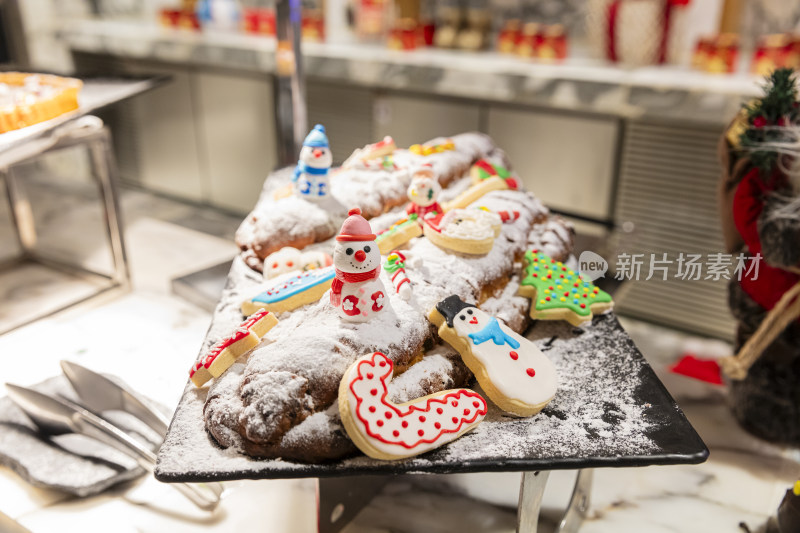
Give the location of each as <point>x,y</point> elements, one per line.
<point>357,291</point>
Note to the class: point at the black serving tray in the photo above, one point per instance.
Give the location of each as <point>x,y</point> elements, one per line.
<point>610,411</point>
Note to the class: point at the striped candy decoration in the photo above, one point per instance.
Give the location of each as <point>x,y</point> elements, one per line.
<point>395,266</point>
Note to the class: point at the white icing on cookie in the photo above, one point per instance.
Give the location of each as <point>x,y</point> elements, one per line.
<point>475,224</point>
<point>516,367</point>
<point>409,429</point>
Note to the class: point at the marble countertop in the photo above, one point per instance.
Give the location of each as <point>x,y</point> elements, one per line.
<point>149,338</point>
<point>579,84</point>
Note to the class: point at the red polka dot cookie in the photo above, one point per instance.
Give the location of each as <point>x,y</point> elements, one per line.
<point>512,371</point>
<point>384,430</point>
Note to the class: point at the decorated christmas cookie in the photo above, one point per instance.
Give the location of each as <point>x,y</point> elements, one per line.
<point>310,177</point>
<point>384,430</point>
<point>289,259</point>
<point>428,149</point>
<point>423,193</point>
<point>395,266</point>
<point>483,170</point>
<point>468,231</point>
<point>398,234</point>
<point>512,371</point>
<point>475,192</point>
<point>373,156</point>
<point>292,291</point>
<point>357,292</point>
<point>558,292</point>
<point>223,354</point>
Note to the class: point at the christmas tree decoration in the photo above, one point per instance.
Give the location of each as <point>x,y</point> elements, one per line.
<point>766,118</point>
<point>559,293</point>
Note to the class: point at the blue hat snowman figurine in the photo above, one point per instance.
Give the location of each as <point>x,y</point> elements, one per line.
<point>311,173</point>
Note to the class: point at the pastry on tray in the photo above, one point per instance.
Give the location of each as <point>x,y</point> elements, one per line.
<point>27,99</point>
<point>282,399</point>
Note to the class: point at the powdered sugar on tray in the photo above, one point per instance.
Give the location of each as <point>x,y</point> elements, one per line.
<point>601,412</point>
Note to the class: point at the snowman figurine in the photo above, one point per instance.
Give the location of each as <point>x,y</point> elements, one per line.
<point>357,291</point>
<point>310,176</point>
<point>423,193</point>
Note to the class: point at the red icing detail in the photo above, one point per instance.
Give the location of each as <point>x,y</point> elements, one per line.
<point>375,306</point>
<point>374,392</point>
<point>453,397</point>
<point>437,425</point>
<point>420,433</point>
<point>371,408</point>
<point>353,311</point>
<point>474,320</point>
<point>241,332</point>
<point>422,419</point>
<point>396,433</point>
<point>404,424</point>
<point>466,412</point>
<point>388,414</point>
<point>514,355</point>
<point>439,410</point>
<point>476,404</point>
<point>512,183</point>
<point>370,375</point>
<point>531,372</point>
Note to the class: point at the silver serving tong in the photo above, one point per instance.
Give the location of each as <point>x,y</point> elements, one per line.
<point>57,416</point>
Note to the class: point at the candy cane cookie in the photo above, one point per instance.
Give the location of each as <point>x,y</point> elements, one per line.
<point>223,354</point>
<point>292,292</point>
<point>384,430</point>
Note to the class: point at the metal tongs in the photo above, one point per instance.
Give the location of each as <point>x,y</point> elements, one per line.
<point>97,393</point>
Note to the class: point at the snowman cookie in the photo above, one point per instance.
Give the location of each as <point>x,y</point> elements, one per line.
<point>512,371</point>
<point>310,178</point>
<point>468,231</point>
<point>384,430</point>
<point>357,292</point>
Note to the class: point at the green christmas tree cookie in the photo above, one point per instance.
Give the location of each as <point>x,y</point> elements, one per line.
<point>559,293</point>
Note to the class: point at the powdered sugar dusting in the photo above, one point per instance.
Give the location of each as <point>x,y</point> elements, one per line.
<point>601,412</point>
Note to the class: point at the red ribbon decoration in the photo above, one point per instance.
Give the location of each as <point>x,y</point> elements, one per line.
<point>613,12</point>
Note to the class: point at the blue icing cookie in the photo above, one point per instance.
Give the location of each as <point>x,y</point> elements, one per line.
<point>295,285</point>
